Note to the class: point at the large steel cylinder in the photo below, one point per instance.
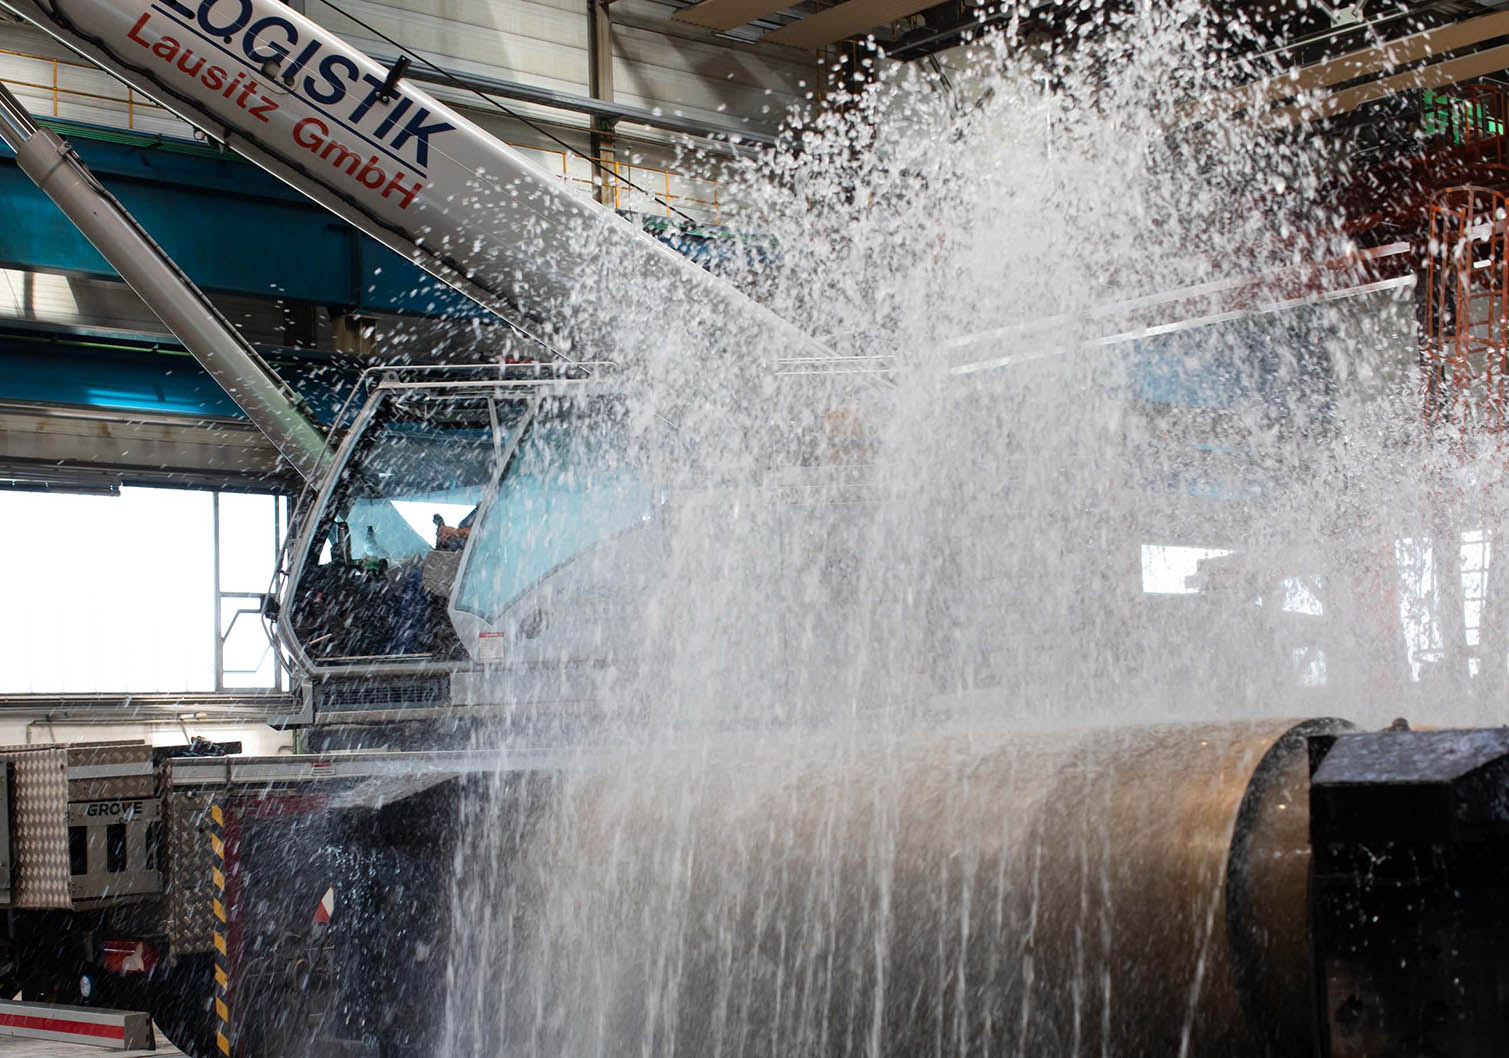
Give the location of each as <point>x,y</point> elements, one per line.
<point>1117,892</point>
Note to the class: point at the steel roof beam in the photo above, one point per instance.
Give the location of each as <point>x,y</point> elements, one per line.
<point>600,108</point>
<point>842,21</point>
<point>728,14</point>
<point>1385,58</point>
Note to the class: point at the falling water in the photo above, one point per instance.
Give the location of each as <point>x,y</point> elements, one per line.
<point>910,751</point>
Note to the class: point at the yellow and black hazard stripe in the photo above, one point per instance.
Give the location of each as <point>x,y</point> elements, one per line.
<point>221,928</point>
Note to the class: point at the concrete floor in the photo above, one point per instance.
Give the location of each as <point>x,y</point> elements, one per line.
<point>21,1047</point>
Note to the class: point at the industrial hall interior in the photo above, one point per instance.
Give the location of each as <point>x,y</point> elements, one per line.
<point>741,529</point>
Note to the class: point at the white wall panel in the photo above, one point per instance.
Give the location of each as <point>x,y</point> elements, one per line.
<point>519,40</point>
<point>703,78</point>
<point>544,42</point>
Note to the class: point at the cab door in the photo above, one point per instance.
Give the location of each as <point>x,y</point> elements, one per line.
<point>564,554</point>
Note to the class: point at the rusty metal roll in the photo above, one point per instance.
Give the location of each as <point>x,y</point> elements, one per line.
<point>1267,897</point>
<point>921,895</point>
<point>1199,840</point>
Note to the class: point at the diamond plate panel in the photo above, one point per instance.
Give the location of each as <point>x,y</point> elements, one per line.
<point>41,835</point>
<point>134,786</point>
<point>87,762</point>
<point>188,870</point>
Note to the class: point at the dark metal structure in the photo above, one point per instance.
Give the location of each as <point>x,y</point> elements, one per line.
<point>1409,902</point>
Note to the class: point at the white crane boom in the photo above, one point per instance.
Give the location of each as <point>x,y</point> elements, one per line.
<point>388,157</point>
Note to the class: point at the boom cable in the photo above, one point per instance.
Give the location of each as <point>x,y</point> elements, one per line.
<point>451,80</point>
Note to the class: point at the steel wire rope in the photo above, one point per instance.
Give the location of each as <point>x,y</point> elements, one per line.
<point>451,80</point>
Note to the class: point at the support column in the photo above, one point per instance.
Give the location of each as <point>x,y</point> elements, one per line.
<point>600,84</point>
<point>355,335</point>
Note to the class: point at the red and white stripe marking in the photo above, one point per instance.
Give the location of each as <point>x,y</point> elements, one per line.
<point>325,908</point>
<point>117,1029</point>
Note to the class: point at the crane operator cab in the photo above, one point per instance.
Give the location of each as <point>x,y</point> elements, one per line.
<point>462,521</point>
<point>501,541</point>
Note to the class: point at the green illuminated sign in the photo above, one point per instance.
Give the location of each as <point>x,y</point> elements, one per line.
<point>1464,120</point>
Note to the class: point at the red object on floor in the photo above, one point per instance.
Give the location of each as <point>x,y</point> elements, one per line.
<point>116,1029</point>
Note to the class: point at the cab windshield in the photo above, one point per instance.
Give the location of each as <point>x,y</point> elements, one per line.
<point>376,581</point>
<point>573,481</point>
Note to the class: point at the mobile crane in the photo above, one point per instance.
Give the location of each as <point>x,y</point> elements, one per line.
<point>379,622</point>
<point>205,885</point>
<point>413,173</point>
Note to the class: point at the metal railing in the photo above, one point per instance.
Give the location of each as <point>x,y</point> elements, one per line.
<point>670,187</point>
<point>54,86</point>
<point>58,80</point>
